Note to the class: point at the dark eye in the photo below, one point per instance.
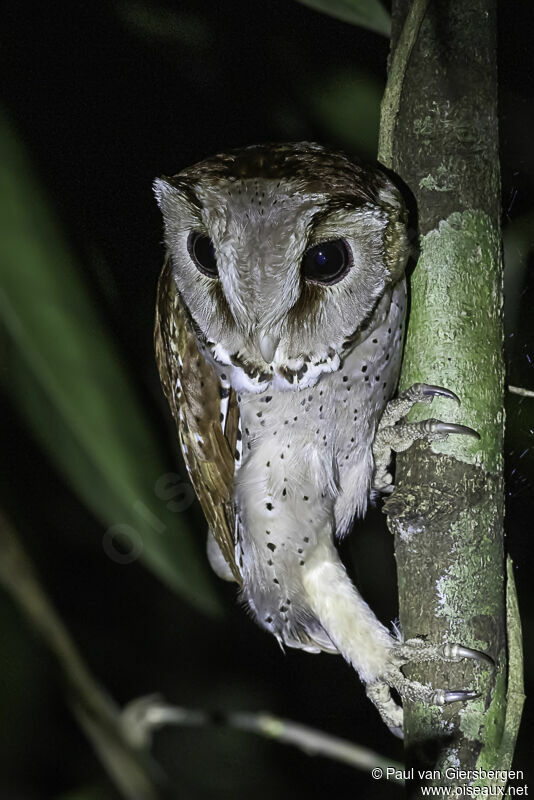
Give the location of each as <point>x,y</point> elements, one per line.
<point>202,252</point>
<point>327,262</point>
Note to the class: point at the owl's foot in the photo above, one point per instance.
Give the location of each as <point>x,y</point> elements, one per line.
<point>395,435</point>
<point>415,651</point>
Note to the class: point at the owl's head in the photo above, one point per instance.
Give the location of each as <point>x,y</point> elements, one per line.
<point>281,254</point>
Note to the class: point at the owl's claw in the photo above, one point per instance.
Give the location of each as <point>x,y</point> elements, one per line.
<point>444,698</point>
<point>435,426</point>
<point>416,651</point>
<point>429,390</point>
<point>456,652</point>
<point>395,435</point>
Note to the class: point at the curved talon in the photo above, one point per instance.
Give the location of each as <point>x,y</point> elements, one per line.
<point>453,697</point>
<point>436,426</point>
<point>395,434</point>
<point>429,390</point>
<point>458,651</point>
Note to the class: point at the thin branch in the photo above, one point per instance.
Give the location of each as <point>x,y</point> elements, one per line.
<point>143,716</point>
<point>393,91</point>
<point>133,773</point>
<point>519,390</point>
<point>315,742</point>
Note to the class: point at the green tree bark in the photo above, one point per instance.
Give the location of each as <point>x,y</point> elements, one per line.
<point>439,133</point>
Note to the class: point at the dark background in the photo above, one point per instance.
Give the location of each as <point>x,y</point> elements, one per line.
<point>104,97</point>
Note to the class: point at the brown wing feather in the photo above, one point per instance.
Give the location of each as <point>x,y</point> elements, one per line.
<point>193,392</point>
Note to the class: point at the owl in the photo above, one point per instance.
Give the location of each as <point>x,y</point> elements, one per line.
<point>279,333</point>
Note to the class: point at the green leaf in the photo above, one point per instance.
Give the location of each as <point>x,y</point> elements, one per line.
<point>369,14</point>
<point>187,28</point>
<point>346,105</point>
<point>518,243</point>
<point>65,375</point>
<point>88,793</point>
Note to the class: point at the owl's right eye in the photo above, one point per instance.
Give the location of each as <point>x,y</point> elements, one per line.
<point>202,252</point>
<point>327,262</point>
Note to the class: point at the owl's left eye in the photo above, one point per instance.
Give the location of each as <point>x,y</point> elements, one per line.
<point>202,252</point>
<point>327,262</point>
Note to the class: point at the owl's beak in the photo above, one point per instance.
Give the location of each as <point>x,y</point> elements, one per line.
<point>268,345</point>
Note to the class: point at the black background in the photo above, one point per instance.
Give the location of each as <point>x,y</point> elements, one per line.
<point>105,101</point>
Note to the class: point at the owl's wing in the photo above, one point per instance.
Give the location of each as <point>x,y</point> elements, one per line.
<point>194,395</point>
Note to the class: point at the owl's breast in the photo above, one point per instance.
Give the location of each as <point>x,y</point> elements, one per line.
<point>332,423</point>
<point>342,407</point>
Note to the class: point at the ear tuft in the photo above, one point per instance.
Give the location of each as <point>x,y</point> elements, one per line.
<point>164,192</point>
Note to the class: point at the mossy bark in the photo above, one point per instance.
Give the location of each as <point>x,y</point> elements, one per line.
<point>448,506</point>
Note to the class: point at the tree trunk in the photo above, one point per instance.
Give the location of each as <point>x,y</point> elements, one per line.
<point>439,133</point>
